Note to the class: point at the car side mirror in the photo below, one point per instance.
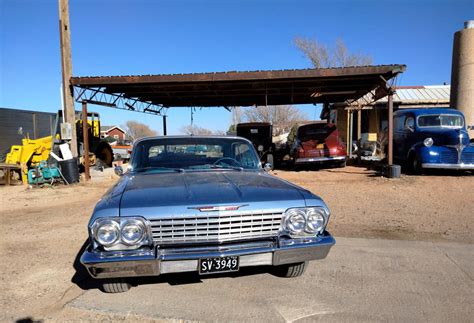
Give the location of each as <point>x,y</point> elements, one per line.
<point>118,170</point>
<point>267,167</point>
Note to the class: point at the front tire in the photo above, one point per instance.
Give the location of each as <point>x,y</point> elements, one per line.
<point>105,154</point>
<point>415,165</point>
<point>292,270</point>
<point>115,286</point>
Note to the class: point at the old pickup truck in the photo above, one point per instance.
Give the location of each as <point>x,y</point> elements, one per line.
<point>179,209</point>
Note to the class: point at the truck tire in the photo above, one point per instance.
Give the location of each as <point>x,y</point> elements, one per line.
<point>105,154</point>
<point>115,286</point>
<point>415,165</point>
<point>292,270</point>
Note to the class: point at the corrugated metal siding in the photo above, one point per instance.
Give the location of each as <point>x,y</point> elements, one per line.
<point>438,94</point>
<point>35,124</point>
<point>416,95</point>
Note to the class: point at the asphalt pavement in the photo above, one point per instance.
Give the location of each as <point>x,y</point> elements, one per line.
<point>361,280</point>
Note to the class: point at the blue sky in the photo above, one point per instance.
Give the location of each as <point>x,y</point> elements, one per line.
<point>153,37</point>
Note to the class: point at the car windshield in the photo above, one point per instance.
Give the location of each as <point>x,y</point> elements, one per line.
<point>193,153</point>
<point>441,120</point>
<point>317,132</point>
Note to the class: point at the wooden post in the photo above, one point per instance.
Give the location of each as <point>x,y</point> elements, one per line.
<point>66,66</point>
<point>164,126</point>
<point>347,131</point>
<point>85,133</point>
<point>359,124</point>
<point>351,131</point>
<point>390,128</point>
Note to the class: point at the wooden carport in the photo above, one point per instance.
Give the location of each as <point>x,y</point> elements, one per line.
<point>153,93</point>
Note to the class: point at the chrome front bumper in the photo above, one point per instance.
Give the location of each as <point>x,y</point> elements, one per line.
<point>319,159</point>
<point>448,166</point>
<point>162,261</point>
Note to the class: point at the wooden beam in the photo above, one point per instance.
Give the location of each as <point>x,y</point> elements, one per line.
<point>66,66</point>
<point>85,135</point>
<point>390,128</point>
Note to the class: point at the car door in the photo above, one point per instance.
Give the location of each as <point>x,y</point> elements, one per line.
<point>409,136</point>
<point>398,133</point>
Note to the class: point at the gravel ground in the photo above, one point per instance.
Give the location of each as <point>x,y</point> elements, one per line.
<point>43,230</point>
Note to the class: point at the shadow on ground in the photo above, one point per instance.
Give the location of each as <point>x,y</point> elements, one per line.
<point>81,277</point>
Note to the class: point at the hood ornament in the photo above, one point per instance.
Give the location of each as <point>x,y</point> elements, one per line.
<point>217,208</point>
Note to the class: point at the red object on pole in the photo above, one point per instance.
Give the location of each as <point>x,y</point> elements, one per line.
<point>85,135</point>
<point>390,128</point>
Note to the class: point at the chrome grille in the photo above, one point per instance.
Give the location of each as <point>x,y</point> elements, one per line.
<point>215,227</point>
<point>449,157</point>
<point>468,158</point>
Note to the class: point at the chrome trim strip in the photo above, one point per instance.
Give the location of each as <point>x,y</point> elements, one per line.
<point>448,166</point>
<point>318,159</point>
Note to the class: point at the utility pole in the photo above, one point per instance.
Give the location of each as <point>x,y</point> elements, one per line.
<point>69,114</point>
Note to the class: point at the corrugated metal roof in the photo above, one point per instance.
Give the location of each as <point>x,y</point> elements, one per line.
<point>420,94</point>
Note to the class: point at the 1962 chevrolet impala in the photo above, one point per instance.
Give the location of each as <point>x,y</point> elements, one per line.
<point>210,210</point>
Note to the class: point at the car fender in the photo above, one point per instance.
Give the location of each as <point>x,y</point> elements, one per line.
<point>415,149</point>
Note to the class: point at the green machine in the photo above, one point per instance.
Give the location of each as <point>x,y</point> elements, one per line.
<point>44,174</point>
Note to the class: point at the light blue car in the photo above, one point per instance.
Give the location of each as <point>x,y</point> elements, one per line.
<point>210,212</point>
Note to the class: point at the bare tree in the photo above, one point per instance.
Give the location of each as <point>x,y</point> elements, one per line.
<point>322,56</point>
<point>196,130</point>
<point>282,117</point>
<point>138,130</point>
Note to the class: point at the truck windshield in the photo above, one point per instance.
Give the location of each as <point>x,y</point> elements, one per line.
<point>191,153</point>
<point>441,120</point>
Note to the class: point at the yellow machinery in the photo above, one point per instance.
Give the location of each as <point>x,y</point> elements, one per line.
<point>29,154</point>
<point>33,151</point>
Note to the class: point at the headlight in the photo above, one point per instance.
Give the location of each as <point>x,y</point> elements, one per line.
<point>120,233</point>
<point>305,221</point>
<point>295,221</point>
<point>315,220</point>
<point>133,232</point>
<point>106,232</point>
<point>428,142</point>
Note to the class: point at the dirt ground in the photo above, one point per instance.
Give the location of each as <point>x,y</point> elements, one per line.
<point>43,230</point>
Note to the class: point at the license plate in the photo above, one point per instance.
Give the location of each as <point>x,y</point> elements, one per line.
<point>218,265</point>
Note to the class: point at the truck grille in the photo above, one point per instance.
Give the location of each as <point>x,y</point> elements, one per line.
<point>468,158</point>
<point>449,157</point>
<point>215,227</point>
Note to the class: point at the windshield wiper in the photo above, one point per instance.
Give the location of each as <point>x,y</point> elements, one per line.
<point>150,168</point>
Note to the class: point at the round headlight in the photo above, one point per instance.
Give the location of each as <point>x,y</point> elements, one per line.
<point>315,220</point>
<point>428,142</point>
<point>107,233</point>
<point>295,221</point>
<point>133,232</point>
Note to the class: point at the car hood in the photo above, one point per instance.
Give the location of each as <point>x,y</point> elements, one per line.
<point>179,191</point>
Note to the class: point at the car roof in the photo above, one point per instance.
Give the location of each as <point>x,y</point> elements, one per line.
<point>425,111</point>
<point>193,137</point>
